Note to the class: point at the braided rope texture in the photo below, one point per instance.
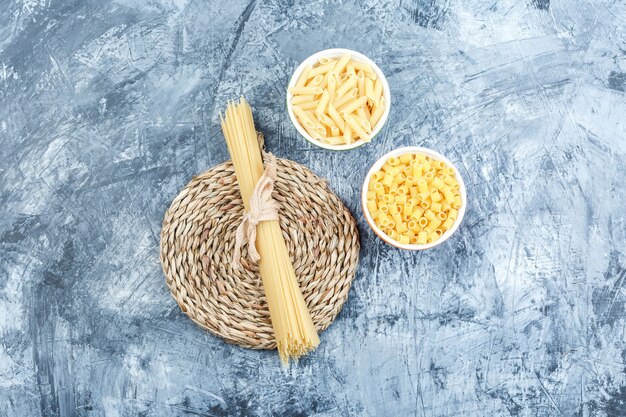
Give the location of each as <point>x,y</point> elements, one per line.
<point>197,244</point>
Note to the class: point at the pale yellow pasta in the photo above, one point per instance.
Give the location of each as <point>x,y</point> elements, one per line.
<point>369,92</point>
<point>417,195</point>
<point>303,117</point>
<point>302,99</point>
<point>351,106</point>
<point>378,89</point>
<point>309,105</point>
<point>357,128</point>
<point>360,83</point>
<point>362,122</point>
<point>332,140</point>
<point>325,120</point>
<point>325,60</point>
<point>364,118</point>
<point>316,81</point>
<point>347,134</point>
<point>361,66</point>
<point>322,69</point>
<point>339,96</point>
<point>331,86</point>
<point>341,64</point>
<point>349,96</point>
<point>306,90</point>
<point>350,68</point>
<point>304,76</point>
<point>323,103</point>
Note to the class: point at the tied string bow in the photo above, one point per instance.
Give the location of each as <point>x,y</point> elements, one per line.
<point>262,208</point>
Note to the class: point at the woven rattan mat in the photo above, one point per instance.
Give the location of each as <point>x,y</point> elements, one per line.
<point>197,242</point>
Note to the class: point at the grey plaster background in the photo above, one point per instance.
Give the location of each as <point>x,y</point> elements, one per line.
<point>108,108</point>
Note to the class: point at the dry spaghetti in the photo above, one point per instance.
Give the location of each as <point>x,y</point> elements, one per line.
<point>293,327</point>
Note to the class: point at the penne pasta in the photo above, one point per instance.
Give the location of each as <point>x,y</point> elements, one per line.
<point>335,140</point>
<point>322,104</point>
<point>322,69</point>
<point>349,96</point>
<point>334,88</point>
<point>306,90</point>
<point>334,114</point>
<point>357,128</point>
<point>303,77</point>
<point>348,85</point>
<point>377,114</point>
<point>341,64</point>
<point>301,99</point>
<point>351,106</point>
<point>304,118</point>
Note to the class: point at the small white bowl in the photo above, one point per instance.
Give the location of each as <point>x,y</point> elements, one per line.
<point>378,165</point>
<point>334,53</point>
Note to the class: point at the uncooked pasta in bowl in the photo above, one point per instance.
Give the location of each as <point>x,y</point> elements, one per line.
<point>414,198</point>
<point>338,99</point>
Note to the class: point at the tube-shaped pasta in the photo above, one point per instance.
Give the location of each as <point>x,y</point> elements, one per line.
<point>341,64</point>
<point>352,106</point>
<point>360,83</point>
<point>349,96</point>
<point>400,199</point>
<point>321,106</point>
<point>416,206</point>
<point>333,140</point>
<point>348,85</point>
<point>301,99</point>
<point>357,128</point>
<point>438,183</point>
<point>306,90</point>
<point>347,134</point>
<point>316,81</point>
<point>325,120</point>
<point>369,92</point>
<point>322,69</point>
<point>304,118</point>
<point>326,60</point>
<point>430,215</point>
<point>304,76</point>
<point>378,175</point>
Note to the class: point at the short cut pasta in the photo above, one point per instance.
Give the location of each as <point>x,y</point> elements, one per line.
<point>414,198</point>
<point>344,95</point>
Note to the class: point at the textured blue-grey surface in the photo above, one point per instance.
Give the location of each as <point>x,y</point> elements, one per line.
<point>108,108</point>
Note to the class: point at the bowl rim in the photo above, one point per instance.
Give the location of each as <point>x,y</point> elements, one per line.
<point>412,246</point>
<point>333,52</point>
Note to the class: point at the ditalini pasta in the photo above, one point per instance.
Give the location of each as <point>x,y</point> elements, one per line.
<point>414,198</point>
<point>343,95</point>
<point>293,327</point>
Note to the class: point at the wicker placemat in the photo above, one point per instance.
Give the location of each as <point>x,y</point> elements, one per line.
<point>197,242</point>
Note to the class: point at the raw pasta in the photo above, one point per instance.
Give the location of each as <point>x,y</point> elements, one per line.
<point>293,327</point>
<point>413,198</point>
<point>345,95</point>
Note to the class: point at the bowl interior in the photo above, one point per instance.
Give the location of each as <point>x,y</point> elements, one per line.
<point>334,53</point>
<point>378,165</point>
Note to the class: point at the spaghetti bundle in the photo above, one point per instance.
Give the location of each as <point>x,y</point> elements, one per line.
<point>293,327</point>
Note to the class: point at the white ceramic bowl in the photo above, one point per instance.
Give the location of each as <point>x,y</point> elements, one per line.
<point>334,53</point>
<point>378,165</point>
